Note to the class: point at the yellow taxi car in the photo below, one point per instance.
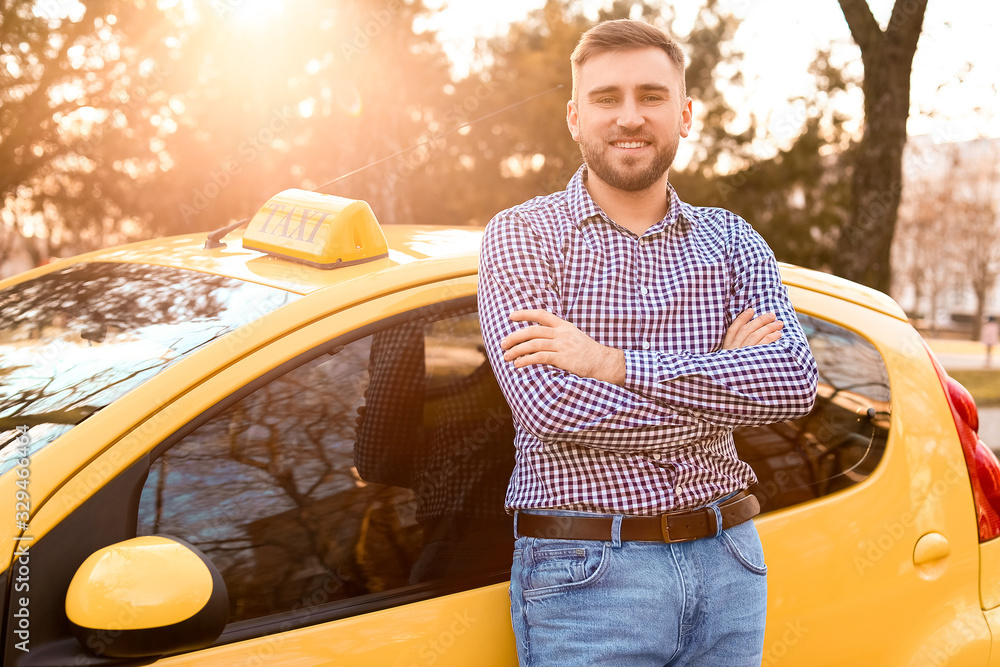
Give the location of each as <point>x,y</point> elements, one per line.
<point>288,448</point>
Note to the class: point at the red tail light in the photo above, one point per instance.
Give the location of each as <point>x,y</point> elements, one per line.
<point>984,468</point>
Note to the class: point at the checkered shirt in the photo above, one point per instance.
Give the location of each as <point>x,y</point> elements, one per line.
<point>664,441</point>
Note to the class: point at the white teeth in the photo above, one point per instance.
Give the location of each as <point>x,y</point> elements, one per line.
<point>630,144</point>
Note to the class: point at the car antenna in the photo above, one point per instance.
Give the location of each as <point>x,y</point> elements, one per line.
<point>214,239</point>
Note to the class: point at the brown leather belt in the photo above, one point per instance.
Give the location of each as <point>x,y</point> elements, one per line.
<point>672,527</point>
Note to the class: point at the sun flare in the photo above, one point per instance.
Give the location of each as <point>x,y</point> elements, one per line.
<point>252,13</point>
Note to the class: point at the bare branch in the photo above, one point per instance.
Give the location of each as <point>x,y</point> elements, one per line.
<point>864,28</point>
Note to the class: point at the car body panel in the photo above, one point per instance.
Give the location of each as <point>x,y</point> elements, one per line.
<point>468,628</point>
<point>826,283</point>
<point>989,555</point>
<point>865,536</point>
<point>993,619</point>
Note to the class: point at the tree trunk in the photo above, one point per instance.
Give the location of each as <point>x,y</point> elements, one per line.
<point>980,314</point>
<point>865,242</point>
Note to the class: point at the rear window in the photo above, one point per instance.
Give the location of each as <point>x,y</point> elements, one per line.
<point>74,340</point>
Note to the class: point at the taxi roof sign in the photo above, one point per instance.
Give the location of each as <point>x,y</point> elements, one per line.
<point>321,230</point>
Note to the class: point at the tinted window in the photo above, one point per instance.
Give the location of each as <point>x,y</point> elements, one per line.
<point>377,470</point>
<point>73,341</point>
<point>841,441</point>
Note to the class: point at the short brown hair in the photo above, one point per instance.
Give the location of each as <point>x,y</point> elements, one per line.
<point>623,34</point>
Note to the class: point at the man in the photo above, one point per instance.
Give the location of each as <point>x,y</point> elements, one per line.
<point>620,324</point>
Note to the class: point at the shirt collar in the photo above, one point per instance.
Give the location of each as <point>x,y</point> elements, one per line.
<point>582,207</point>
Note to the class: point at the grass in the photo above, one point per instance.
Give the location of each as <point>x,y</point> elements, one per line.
<point>984,385</point>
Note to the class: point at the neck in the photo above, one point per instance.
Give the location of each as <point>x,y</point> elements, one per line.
<point>635,211</point>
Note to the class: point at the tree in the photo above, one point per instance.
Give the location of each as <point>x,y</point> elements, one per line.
<point>921,254</point>
<point>949,230</point>
<point>71,83</point>
<point>316,91</point>
<point>797,198</point>
<point>974,183</point>
<point>863,249</point>
<point>123,119</point>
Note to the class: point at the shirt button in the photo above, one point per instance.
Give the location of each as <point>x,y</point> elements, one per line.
<point>645,344</point>
<point>656,457</point>
<point>643,290</point>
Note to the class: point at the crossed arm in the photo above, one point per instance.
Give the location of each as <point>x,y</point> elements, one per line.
<point>559,343</point>
<point>564,385</point>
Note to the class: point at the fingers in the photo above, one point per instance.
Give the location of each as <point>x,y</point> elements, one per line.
<point>731,333</point>
<point>517,352</point>
<point>526,334</point>
<point>556,342</point>
<point>765,334</point>
<point>747,330</point>
<point>533,344</point>
<point>536,315</point>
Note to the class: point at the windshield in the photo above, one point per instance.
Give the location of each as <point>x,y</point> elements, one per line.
<point>74,340</point>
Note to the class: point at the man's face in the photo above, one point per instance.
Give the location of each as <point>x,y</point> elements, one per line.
<point>629,116</point>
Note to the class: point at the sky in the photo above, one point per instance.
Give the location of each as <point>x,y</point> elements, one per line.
<point>955,73</point>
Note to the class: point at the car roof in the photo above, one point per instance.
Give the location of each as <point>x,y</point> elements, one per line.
<point>413,249</point>
<point>841,288</point>
<point>418,252</point>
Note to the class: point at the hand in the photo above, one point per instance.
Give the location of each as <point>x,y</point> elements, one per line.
<point>559,343</point>
<point>747,330</point>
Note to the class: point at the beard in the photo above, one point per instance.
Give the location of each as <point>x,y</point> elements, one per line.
<point>628,175</point>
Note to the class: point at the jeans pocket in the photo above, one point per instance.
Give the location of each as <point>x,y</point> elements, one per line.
<point>558,566</point>
<point>744,544</point>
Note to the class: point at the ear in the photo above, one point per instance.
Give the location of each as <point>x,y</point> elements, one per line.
<point>687,116</point>
<point>573,120</point>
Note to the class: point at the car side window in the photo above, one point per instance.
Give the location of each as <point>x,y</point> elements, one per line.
<point>841,441</point>
<point>367,477</point>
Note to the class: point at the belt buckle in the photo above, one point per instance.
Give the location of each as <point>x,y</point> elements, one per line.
<point>665,525</point>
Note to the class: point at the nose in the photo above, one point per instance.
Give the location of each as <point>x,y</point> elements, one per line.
<point>630,117</point>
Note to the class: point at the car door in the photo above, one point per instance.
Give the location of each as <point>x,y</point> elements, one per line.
<point>347,482</point>
<point>850,491</point>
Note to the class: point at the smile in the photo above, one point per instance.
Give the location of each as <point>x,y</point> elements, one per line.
<point>630,144</point>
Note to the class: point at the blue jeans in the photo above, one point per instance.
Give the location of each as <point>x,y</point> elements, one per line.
<point>584,602</point>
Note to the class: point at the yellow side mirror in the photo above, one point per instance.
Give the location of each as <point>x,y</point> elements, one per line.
<point>147,596</point>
